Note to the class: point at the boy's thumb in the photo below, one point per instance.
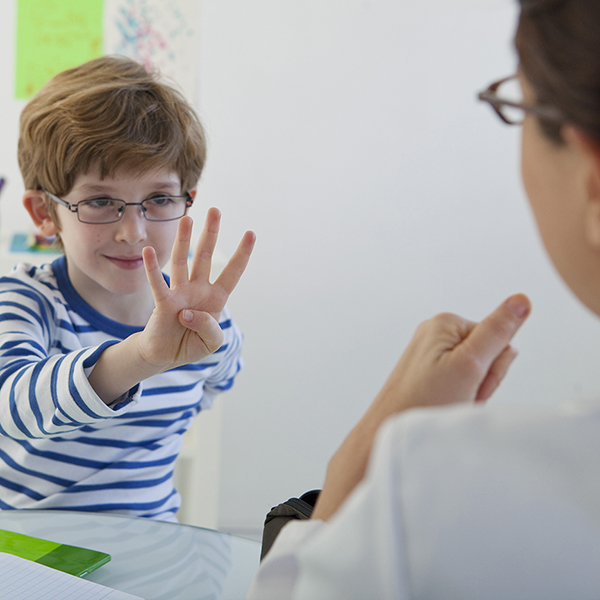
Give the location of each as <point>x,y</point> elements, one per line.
<point>491,336</point>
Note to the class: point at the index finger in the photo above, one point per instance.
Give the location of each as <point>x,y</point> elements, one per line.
<point>237,264</point>
<point>158,285</point>
<point>490,337</point>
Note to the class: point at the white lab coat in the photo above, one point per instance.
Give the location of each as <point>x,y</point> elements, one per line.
<point>464,502</point>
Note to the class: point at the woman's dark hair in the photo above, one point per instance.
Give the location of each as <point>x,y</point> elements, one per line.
<point>558,42</point>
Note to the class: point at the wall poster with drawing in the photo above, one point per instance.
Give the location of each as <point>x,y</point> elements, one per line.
<point>156,33</point>
<point>54,35</point>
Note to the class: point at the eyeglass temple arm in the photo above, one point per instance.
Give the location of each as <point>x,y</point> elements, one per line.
<point>71,207</point>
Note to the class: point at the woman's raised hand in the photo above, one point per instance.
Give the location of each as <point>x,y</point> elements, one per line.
<point>448,361</point>
<point>451,359</point>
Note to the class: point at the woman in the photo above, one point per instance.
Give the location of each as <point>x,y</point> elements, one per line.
<point>471,501</point>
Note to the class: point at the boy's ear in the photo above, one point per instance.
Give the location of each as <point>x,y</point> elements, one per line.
<point>589,151</point>
<point>34,202</point>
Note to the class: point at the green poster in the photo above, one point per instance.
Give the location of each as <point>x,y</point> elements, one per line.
<point>54,35</point>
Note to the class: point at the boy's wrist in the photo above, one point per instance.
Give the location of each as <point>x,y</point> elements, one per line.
<point>141,363</point>
<point>119,369</point>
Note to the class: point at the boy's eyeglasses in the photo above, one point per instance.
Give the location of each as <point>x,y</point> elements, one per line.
<point>506,98</point>
<point>100,211</point>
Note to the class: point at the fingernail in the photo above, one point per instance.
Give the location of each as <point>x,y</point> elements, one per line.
<point>518,306</point>
<point>187,315</point>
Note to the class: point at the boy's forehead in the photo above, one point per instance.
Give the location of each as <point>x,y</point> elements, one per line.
<point>156,178</point>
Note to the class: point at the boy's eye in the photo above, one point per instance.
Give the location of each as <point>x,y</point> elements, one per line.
<point>99,203</point>
<point>159,200</point>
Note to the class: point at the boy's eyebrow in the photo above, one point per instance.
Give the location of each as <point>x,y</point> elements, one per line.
<point>100,187</point>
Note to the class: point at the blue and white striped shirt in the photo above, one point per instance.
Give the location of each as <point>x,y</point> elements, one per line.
<point>61,446</point>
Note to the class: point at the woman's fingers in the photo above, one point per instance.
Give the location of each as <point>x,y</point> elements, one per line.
<point>496,374</point>
<point>489,338</point>
<point>452,360</point>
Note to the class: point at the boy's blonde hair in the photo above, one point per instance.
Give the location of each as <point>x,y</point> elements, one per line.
<point>112,113</point>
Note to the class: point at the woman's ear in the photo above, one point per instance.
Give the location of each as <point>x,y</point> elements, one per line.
<point>34,202</point>
<point>588,151</point>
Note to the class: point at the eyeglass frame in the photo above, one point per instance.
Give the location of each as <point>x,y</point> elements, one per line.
<point>543,111</point>
<point>74,207</point>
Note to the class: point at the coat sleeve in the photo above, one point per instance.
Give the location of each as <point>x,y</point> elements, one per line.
<point>359,553</point>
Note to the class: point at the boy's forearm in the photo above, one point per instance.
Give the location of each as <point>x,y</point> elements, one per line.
<point>119,368</point>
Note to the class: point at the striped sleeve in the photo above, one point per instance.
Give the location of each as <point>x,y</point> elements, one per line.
<point>227,361</point>
<point>44,390</point>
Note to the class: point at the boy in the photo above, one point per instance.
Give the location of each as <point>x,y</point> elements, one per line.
<point>103,361</point>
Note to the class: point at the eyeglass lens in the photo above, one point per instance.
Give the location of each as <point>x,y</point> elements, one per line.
<point>106,210</point>
<point>510,90</point>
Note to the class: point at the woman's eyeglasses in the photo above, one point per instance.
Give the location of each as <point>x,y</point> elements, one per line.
<point>506,98</point>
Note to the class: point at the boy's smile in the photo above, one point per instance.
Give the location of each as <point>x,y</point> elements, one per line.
<point>127,262</point>
<point>104,261</point>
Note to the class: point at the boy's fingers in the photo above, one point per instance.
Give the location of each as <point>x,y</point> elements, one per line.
<point>158,285</point>
<point>180,251</point>
<point>496,373</point>
<point>488,338</point>
<point>202,260</point>
<point>237,264</point>
<point>205,326</point>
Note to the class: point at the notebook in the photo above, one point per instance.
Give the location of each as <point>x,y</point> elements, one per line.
<point>24,580</point>
<point>70,559</point>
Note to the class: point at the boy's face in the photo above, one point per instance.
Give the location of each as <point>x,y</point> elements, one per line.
<point>105,261</point>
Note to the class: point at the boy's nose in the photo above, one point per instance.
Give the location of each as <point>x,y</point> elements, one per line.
<point>132,226</point>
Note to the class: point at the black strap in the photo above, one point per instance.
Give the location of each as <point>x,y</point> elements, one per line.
<point>294,508</point>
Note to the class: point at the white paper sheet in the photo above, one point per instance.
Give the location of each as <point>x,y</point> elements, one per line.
<point>24,580</point>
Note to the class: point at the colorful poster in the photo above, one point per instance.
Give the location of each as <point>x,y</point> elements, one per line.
<point>161,35</point>
<point>54,35</point>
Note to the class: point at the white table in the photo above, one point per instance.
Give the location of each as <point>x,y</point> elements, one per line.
<point>151,559</point>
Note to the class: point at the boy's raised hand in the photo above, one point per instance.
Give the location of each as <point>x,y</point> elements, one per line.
<point>184,327</point>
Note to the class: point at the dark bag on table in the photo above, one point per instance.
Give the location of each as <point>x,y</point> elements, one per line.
<point>294,508</point>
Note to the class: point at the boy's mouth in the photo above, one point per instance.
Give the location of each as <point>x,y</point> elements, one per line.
<point>127,262</point>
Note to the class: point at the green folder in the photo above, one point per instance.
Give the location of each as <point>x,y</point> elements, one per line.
<point>69,559</point>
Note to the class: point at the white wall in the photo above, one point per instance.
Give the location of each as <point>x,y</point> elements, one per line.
<point>347,134</point>
<point>11,213</point>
